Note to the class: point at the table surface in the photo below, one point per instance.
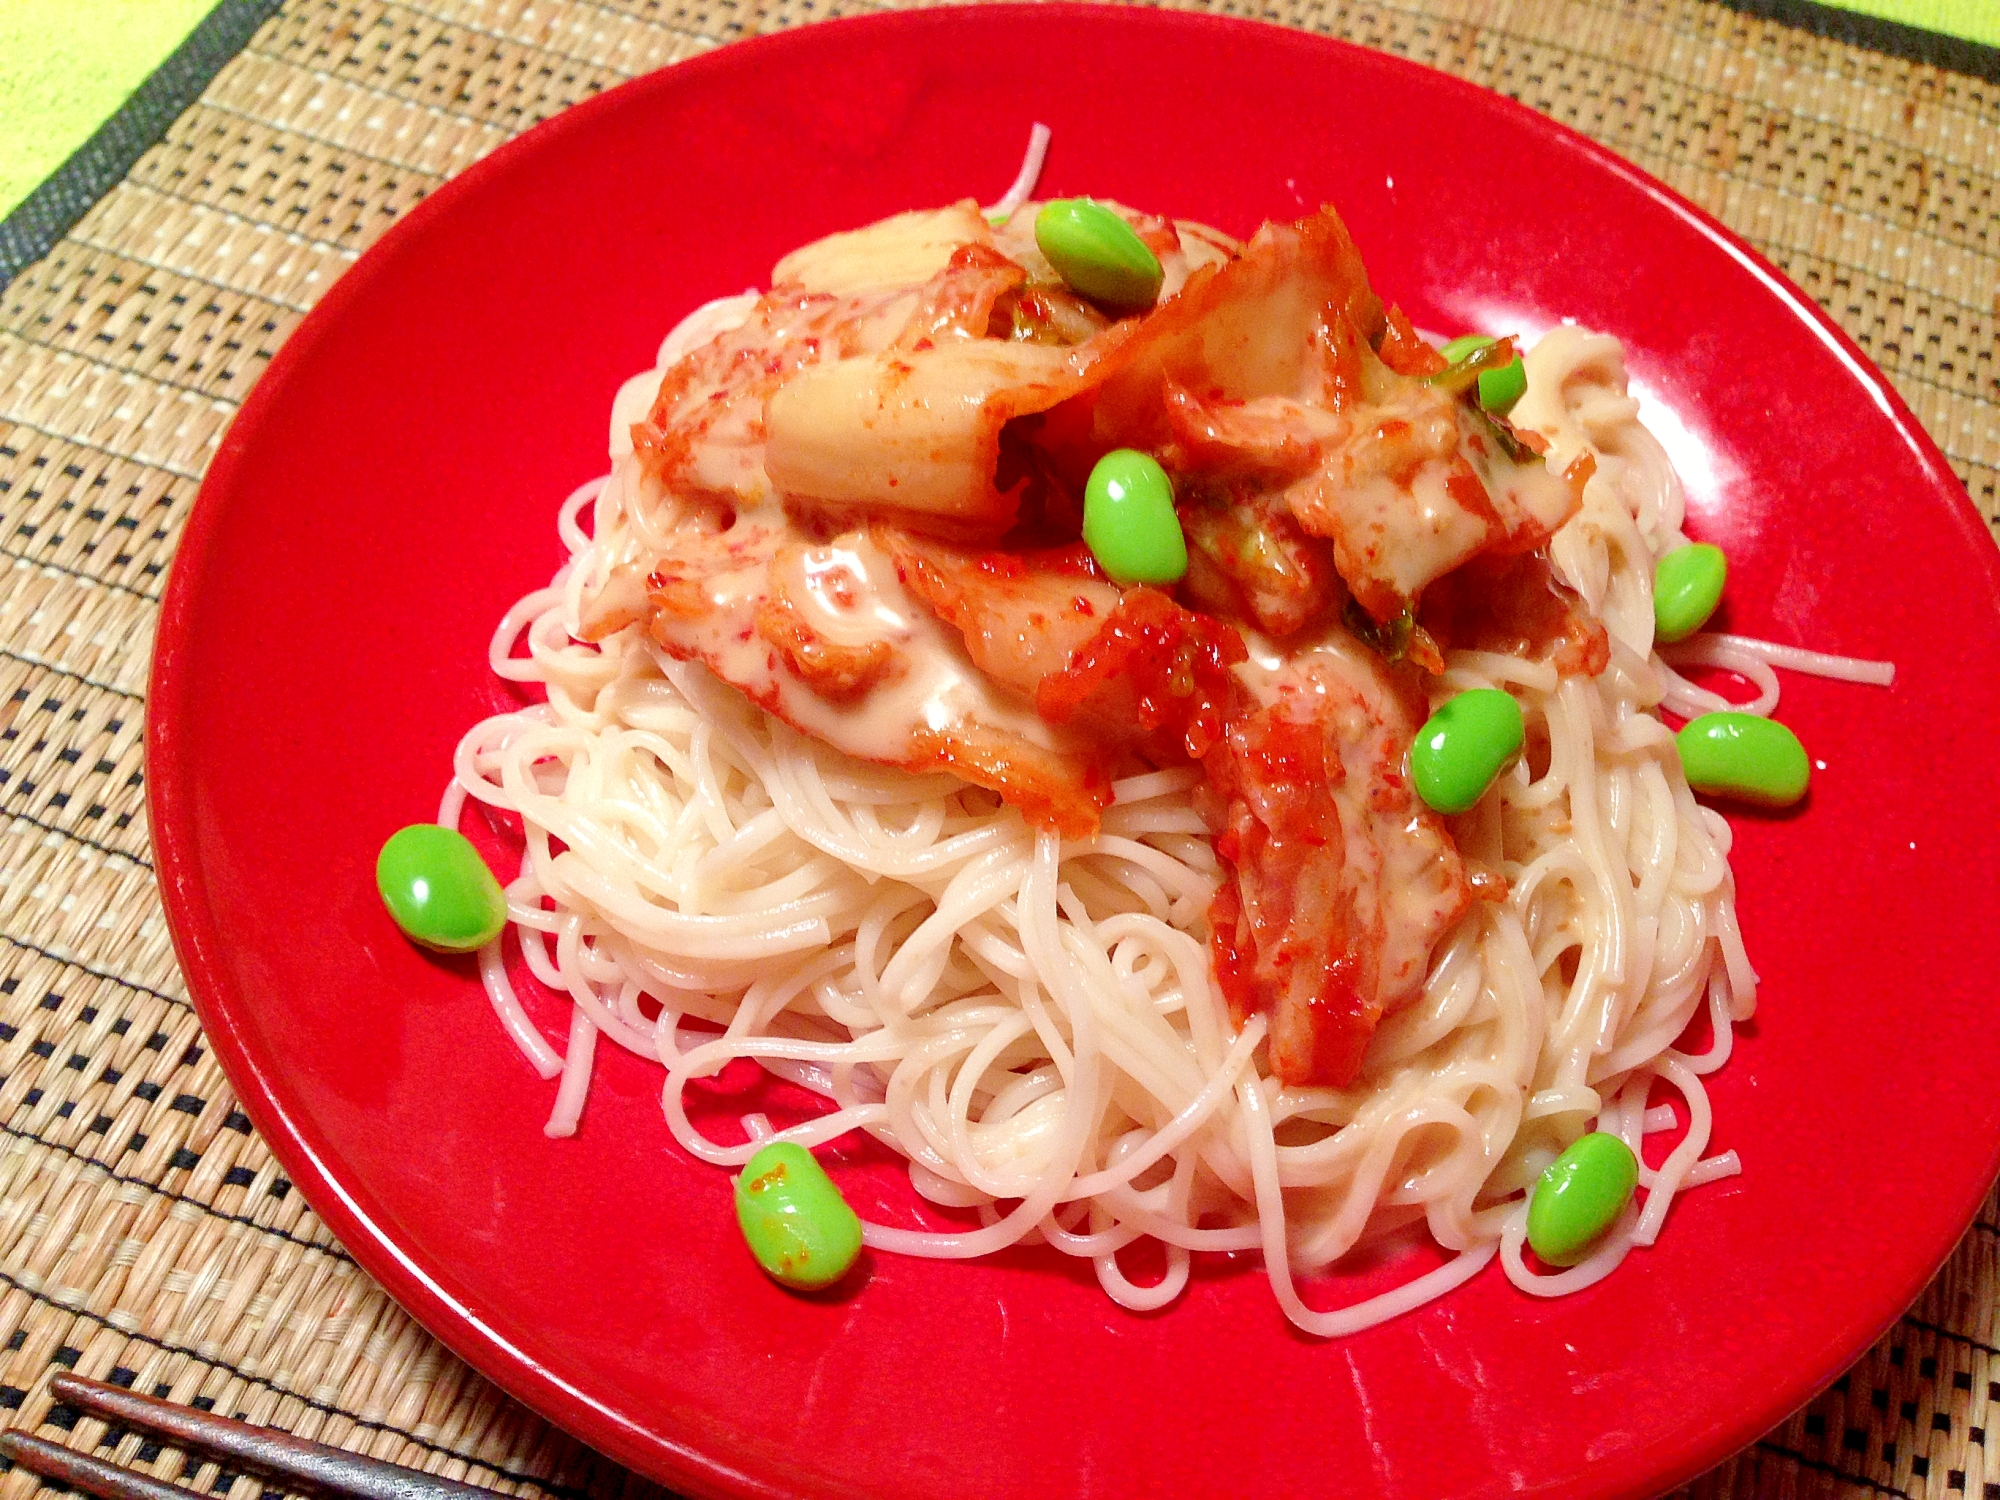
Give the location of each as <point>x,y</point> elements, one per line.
<point>146,1234</point>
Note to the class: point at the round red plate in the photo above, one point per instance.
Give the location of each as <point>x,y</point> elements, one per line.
<point>391,487</point>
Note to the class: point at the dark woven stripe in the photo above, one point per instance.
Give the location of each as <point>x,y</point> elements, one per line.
<point>1953,53</point>
<point>36,664</point>
<point>1818,1466</point>
<point>76,838</point>
<point>328,1248</point>
<point>100,163</point>
<point>1949,1333</point>
<point>178,1001</point>
<point>90,578</point>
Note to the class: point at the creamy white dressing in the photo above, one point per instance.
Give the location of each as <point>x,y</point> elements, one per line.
<point>1531,496</point>
<point>837,588</point>
<point>824,393</point>
<point>1272,666</point>
<point>849,594</point>
<point>634,399</point>
<point>718,390</point>
<point>792,388</point>
<point>702,326</point>
<point>937,688</point>
<point>1394,870</point>
<point>705,324</point>
<point>899,251</point>
<point>1405,536</point>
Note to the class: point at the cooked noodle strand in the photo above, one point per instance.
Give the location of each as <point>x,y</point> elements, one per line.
<point>1032,1022</point>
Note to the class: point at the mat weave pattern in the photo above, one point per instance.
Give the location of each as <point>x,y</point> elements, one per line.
<point>146,1234</point>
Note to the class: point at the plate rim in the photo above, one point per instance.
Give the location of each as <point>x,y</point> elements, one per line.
<point>651,1448</point>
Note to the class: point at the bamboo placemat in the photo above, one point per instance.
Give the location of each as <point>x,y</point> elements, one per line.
<point>146,1235</point>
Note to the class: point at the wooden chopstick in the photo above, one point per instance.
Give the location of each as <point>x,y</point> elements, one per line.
<point>81,1471</point>
<point>306,1465</point>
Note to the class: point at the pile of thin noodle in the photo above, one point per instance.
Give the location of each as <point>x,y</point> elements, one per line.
<point>1031,1021</point>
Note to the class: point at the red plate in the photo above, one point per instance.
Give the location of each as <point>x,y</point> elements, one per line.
<point>391,487</point>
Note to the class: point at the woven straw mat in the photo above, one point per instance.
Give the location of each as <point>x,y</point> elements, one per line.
<point>146,1234</point>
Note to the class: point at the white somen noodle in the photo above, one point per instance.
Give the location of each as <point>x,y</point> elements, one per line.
<point>1031,1022</point>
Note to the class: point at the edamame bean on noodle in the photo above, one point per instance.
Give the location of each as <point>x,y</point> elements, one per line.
<point>1111,907</point>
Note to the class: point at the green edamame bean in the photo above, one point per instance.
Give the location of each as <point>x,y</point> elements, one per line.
<point>1580,1196</point>
<point>1743,756</point>
<point>439,890</point>
<point>1687,586</point>
<point>1463,746</point>
<point>1129,522</point>
<point>1464,344</point>
<point>1500,389</point>
<point>1098,254</point>
<point>793,1218</point>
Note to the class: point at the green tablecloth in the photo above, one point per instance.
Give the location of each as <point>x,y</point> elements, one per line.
<point>65,66</point>
<point>1974,20</point>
